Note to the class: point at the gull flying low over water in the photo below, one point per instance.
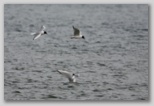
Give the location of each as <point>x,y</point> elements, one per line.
<point>71,77</point>
<point>39,33</point>
<point>77,34</point>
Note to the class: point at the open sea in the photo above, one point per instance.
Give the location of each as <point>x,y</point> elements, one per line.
<point>112,61</point>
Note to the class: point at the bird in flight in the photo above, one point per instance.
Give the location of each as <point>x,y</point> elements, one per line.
<point>39,33</point>
<point>68,75</point>
<point>77,34</point>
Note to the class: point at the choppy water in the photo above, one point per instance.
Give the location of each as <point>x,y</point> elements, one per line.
<point>112,62</point>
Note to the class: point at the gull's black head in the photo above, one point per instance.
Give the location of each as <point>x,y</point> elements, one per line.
<point>83,37</point>
<point>45,32</point>
<point>75,75</point>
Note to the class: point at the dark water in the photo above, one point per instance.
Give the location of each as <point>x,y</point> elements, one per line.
<point>112,62</point>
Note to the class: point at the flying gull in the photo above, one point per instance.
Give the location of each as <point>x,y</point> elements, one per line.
<point>77,34</point>
<point>39,33</point>
<point>71,77</point>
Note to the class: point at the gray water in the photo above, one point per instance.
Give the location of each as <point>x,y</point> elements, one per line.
<point>112,61</point>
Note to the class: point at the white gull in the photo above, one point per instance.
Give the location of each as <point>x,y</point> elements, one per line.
<point>77,34</point>
<point>71,77</point>
<point>39,33</point>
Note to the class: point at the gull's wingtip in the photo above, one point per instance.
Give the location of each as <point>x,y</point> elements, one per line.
<point>32,33</point>
<point>59,71</point>
<point>43,27</point>
<point>34,38</point>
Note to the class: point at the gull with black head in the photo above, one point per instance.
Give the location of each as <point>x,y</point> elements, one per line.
<point>70,76</point>
<point>39,33</point>
<point>77,34</point>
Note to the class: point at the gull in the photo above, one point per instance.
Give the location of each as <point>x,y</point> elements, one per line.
<point>71,77</point>
<point>77,34</point>
<point>39,33</point>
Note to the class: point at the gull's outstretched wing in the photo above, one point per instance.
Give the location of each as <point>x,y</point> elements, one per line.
<point>42,28</point>
<point>66,74</point>
<point>76,31</point>
<point>33,33</point>
<point>36,35</point>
